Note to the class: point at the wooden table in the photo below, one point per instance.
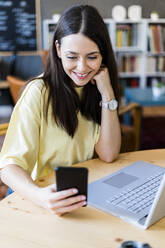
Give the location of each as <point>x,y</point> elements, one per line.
<point>24,225</point>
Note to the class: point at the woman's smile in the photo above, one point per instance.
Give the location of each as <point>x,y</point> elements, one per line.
<point>81,76</point>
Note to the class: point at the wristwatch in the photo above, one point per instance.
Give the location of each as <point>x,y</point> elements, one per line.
<point>111,105</point>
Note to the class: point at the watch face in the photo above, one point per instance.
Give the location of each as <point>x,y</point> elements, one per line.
<point>113,104</point>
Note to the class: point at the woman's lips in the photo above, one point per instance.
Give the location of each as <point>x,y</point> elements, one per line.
<point>81,75</point>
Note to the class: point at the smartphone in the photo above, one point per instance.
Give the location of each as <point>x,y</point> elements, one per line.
<point>72,177</point>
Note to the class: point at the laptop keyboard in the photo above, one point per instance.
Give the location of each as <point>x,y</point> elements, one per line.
<point>139,198</point>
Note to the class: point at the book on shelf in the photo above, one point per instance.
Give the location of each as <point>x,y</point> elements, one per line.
<point>129,63</point>
<point>134,83</point>
<point>160,37</point>
<point>161,64</point>
<point>126,35</point>
<point>135,35</point>
<point>119,38</point>
<point>155,64</point>
<point>156,38</point>
<point>151,42</point>
<point>129,82</point>
<point>151,64</point>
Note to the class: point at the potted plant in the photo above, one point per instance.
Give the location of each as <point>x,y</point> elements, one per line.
<point>158,88</point>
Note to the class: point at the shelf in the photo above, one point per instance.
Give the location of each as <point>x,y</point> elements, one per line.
<point>129,21</point>
<point>159,21</point>
<point>129,75</point>
<point>155,74</point>
<point>155,54</point>
<point>128,50</point>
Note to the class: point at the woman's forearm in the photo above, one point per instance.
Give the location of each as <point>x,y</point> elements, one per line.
<point>57,202</point>
<point>108,145</point>
<point>109,142</point>
<point>19,180</point>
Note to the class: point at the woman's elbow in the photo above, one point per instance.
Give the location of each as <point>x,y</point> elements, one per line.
<point>109,157</point>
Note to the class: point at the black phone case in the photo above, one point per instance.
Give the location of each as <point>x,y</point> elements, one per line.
<point>72,177</point>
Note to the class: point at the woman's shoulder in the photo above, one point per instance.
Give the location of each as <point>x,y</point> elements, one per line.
<point>33,92</point>
<point>35,87</point>
<point>36,83</point>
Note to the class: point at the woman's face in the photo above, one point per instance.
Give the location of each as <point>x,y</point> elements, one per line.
<point>80,56</point>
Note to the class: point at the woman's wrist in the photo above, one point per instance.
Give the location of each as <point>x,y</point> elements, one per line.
<point>107,97</point>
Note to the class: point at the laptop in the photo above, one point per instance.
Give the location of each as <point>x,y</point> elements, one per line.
<point>135,194</point>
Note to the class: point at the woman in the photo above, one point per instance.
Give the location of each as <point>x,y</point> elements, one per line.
<point>58,120</point>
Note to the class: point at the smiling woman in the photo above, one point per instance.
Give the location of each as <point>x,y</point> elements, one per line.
<point>80,57</point>
<point>66,115</point>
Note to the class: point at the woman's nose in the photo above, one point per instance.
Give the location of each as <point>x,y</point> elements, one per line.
<point>81,66</point>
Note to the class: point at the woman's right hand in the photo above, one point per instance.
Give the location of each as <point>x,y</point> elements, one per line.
<point>60,202</point>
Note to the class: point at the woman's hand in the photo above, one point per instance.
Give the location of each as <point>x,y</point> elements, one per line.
<point>57,202</point>
<point>60,202</point>
<point>102,80</point>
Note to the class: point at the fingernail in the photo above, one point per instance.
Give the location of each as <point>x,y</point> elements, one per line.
<point>83,197</point>
<point>84,203</point>
<point>75,191</point>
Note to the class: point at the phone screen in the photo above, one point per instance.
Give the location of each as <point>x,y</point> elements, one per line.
<point>72,177</point>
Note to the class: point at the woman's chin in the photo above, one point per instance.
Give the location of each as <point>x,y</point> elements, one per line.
<point>80,84</point>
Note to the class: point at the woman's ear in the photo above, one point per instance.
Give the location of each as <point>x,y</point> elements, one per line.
<point>58,48</point>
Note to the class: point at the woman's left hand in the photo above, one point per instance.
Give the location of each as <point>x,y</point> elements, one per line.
<point>103,82</point>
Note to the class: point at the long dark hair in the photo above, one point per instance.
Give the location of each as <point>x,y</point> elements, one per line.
<point>65,102</point>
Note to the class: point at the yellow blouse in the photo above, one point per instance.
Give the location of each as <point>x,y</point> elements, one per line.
<point>31,140</point>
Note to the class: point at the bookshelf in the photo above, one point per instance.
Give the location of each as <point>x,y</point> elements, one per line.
<point>139,47</point>
<point>155,56</point>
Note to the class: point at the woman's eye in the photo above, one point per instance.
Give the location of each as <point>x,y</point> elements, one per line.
<point>71,57</point>
<point>93,57</point>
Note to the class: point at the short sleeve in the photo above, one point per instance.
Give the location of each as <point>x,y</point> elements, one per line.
<point>21,143</point>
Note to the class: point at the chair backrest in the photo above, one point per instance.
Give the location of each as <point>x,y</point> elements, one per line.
<point>15,85</point>
<point>27,66</point>
<point>131,134</point>
<point>15,82</point>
